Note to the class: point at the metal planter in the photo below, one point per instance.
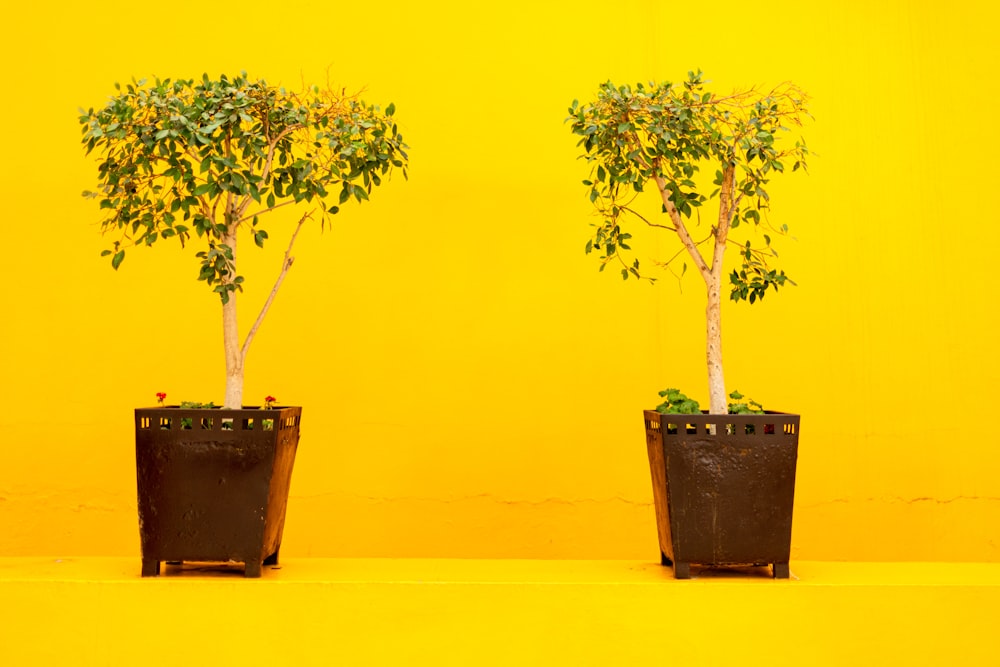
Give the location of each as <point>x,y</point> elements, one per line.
<point>213,484</point>
<point>723,488</point>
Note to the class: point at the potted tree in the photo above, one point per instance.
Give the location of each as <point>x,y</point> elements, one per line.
<point>723,484</point>
<point>205,162</point>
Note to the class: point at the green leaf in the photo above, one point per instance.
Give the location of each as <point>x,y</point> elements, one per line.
<point>117,259</point>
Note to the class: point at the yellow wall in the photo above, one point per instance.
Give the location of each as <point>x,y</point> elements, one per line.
<point>471,384</point>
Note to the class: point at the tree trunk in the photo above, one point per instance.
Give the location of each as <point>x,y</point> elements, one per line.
<point>713,317</point>
<point>713,308</point>
<point>231,340</point>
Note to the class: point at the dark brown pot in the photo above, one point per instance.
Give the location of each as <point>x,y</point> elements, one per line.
<point>724,498</point>
<point>213,484</point>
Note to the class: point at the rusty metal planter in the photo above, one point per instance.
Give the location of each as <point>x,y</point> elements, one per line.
<point>723,488</point>
<point>213,484</point>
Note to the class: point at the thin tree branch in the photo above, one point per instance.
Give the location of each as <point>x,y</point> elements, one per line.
<point>263,211</point>
<point>215,207</point>
<point>625,265</point>
<point>726,207</point>
<point>680,252</point>
<point>760,254</point>
<point>644,219</point>
<point>736,203</point>
<point>286,264</point>
<point>266,171</point>
<point>681,230</point>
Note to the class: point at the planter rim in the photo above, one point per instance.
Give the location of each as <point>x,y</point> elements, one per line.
<point>256,408</point>
<point>705,413</point>
<point>215,420</point>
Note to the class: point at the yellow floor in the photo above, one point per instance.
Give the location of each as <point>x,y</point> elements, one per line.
<point>98,611</point>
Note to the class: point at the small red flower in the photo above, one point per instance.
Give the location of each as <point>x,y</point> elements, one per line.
<point>160,396</point>
<point>269,401</point>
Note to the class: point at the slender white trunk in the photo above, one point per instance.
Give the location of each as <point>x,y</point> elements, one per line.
<point>231,340</point>
<point>712,275</point>
<point>716,380</point>
<point>234,360</point>
<point>713,308</point>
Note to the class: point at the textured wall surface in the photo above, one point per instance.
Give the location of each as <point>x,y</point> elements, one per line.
<point>472,386</point>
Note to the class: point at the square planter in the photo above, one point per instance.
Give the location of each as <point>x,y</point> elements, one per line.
<point>723,488</point>
<point>213,484</point>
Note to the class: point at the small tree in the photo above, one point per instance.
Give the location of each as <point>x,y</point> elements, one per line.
<point>204,160</point>
<point>665,134</point>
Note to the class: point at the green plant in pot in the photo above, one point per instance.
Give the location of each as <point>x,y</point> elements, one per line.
<point>209,163</point>
<point>723,483</point>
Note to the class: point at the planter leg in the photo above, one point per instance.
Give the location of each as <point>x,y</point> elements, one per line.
<point>272,559</point>
<point>682,570</point>
<point>664,560</point>
<point>251,569</point>
<point>150,567</point>
<point>780,570</point>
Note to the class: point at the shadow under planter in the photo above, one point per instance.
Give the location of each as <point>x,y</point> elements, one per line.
<point>213,484</point>
<point>723,488</point>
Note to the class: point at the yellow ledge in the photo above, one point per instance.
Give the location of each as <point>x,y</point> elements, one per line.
<point>98,611</point>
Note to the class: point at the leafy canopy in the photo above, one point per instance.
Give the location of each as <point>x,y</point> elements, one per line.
<point>205,158</point>
<point>666,134</point>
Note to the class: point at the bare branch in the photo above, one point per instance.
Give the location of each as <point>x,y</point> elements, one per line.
<point>266,171</point>
<point>644,219</point>
<point>680,252</point>
<point>726,209</point>
<point>286,264</point>
<point>263,211</point>
<point>681,230</point>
